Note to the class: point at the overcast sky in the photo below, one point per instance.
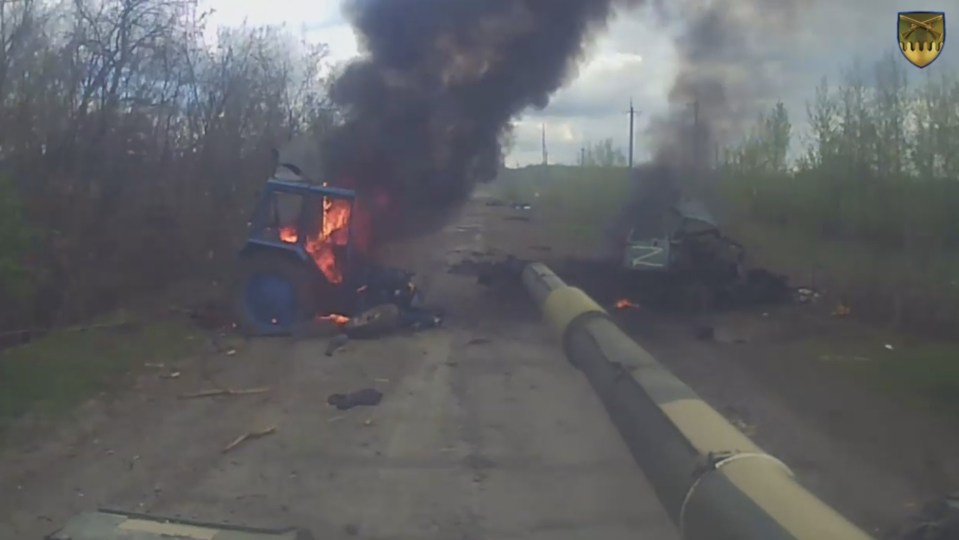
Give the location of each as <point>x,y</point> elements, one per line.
<point>635,60</point>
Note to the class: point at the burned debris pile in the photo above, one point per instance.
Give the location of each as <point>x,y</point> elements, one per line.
<point>388,302</point>
<point>669,249</point>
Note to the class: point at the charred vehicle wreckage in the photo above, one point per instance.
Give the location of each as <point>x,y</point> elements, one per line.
<point>669,248</point>
<point>663,250</point>
<point>306,263</point>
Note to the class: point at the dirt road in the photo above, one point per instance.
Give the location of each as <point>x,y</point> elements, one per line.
<point>777,374</point>
<point>485,431</point>
<point>877,459</point>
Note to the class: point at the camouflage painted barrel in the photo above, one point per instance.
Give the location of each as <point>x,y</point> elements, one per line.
<point>714,482</point>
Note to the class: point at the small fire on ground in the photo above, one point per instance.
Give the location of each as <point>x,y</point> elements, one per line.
<point>339,320</point>
<point>624,303</point>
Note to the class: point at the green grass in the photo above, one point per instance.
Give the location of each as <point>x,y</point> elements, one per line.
<point>54,374</point>
<point>922,373</point>
<point>877,284</point>
<point>578,202</point>
<point>882,286</point>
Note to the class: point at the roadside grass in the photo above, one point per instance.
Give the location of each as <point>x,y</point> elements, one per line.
<point>881,287</point>
<point>54,374</point>
<point>577,202</point>
<point>923,374</point>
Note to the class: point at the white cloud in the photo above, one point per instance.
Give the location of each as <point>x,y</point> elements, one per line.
<point>270,12</point>
<point>317,21</point>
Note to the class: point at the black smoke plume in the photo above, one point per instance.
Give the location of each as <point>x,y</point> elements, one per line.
<point>733,55</point>
<point>427,105</point>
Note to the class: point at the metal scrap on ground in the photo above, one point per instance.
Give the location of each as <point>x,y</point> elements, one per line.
<point>336,343</point>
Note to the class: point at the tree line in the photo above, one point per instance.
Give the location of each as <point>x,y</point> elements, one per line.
<point>877,180</point>
<point>131,148</point>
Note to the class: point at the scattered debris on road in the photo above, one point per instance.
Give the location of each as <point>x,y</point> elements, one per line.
<point>705,333</point>
<point>336,343</point>
<point>517,218</point>
<point>489,269</point>
<point>806,295</point>
<point>842,310</point>
<point>171,375</point>
<point>938,521</point>
<point>625,303</point>
<point>479,341</point>
<point>368,397</point>
<point>374,322</point>
<point>248,437</point>
<point>226,392</point>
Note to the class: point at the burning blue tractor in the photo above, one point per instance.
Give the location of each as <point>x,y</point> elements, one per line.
<point>300,264</point>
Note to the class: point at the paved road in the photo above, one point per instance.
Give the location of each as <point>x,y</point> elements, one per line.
<point>485,431</point>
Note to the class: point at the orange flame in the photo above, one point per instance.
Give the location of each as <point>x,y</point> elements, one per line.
<point>332,234</point>
<point>624,303</point>
<point>288,235</point>
<point>339,320</point>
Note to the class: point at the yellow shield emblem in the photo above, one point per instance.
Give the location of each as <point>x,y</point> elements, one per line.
<point>921,36</point>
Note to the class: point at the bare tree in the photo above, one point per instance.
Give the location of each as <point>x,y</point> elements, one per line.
<point>134,145</point>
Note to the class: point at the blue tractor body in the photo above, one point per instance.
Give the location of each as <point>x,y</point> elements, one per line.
<point>280,284</point>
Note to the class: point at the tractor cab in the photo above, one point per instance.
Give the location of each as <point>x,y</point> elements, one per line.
<point>299,258</point>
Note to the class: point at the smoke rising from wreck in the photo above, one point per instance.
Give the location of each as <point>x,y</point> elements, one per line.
<point>426,107</point>
<point>731,62</point>
<point>731,56</point>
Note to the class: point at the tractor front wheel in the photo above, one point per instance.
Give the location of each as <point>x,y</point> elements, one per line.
<point>273,294</point>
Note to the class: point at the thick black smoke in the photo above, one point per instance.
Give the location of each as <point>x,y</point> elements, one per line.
<point>427,105</point>
<point>732,58</point>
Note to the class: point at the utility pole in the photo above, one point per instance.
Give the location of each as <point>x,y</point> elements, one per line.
<point>697,138</point>
<point>632,131</point>
<point>582,156</point>
<point>545,153</point>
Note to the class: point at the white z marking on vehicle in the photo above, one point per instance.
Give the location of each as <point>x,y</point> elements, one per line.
<point>642,259</point>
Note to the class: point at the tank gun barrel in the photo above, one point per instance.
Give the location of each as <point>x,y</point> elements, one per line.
<point>713,481</point>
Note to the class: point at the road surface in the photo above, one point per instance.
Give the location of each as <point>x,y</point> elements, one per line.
<point>485,431</point>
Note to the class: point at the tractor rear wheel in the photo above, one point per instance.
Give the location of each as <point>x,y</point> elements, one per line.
<point>274,293</point>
